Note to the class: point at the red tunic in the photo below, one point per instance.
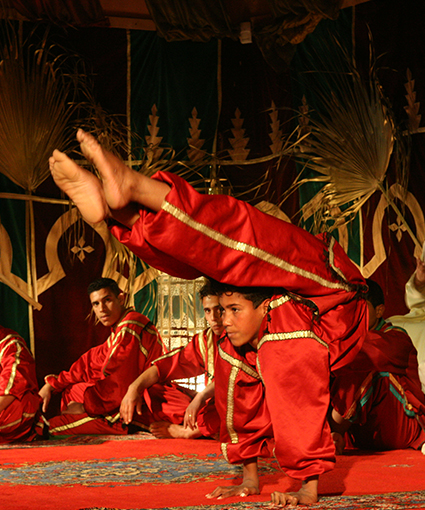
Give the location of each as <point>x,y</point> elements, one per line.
<point>17,378</point>
<point>380,392</point>
<point>318,327</point>
<point>100,378</point>
<point>196,358</point>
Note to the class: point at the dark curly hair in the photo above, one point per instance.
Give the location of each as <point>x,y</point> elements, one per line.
<point>255,294</point>
<point>104,283</point>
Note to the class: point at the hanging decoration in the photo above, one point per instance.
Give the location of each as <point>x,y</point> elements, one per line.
<point>349,144</point>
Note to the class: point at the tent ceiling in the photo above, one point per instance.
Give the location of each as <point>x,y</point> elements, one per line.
<point>136,14</point>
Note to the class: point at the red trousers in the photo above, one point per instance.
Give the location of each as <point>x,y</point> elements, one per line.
<point>162,403</point>
<point>17,421</point>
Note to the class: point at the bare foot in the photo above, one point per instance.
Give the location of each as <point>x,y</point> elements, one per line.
<point>119,181</point>
<point>165,429</point>
<point>82,187</point>
<point>125,189</point>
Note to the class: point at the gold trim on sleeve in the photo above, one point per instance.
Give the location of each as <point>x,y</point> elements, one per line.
<point>231,406</point>
<point>275,337</point>
<point>183,217</point>
<point>18,342</point>
<point>240,365</point>
<point>210,354</point>
<point>275,303</point>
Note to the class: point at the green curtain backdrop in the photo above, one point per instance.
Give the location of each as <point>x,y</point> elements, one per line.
<point>319,53</point>
<point>13,308</point>
<point>173,91</point>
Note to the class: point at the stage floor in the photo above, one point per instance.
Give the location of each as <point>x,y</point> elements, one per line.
<point>142,472</point>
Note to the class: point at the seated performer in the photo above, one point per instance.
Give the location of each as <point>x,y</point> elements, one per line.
<point>196,358</point>
<point>317,325</point>
<point>19,399</point>
<point>95,384</point>
<point>414,321</point>
<point>377,398</point>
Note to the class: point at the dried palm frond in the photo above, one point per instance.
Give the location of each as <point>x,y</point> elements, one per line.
<point>350,145</point>
<point>350,150</point>
<point>37,91</point>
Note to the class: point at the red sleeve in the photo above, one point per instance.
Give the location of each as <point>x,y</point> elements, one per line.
<point>17,366</point>
<point>87,368</point>
<point>386,349</point>
<point>132,348</point>
<point>180,363</point>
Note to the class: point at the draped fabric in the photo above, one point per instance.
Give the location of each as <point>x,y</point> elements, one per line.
<point>279,26</point>
<point>399,45</point>
<point>195,20</point>
<point>13,260</point>
<point>81,13</point>
<point>174,94</point>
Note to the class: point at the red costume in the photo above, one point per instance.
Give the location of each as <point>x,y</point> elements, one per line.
<point>100,378</point>
<point>380,392</point>
<point>196,358</point>
<point>317,323</point>
<point>17,378</point>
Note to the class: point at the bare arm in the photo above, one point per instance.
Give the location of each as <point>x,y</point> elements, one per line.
<point>339,426</point>
<point>133,398</point>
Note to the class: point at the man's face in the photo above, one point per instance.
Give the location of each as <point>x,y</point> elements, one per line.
<point>107,306</point>
<point>240,319</point>
<point>212,311</point>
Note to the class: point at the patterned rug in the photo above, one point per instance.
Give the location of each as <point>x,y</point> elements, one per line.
<point>139,472</point>
<point>77,441</point>
<point>393,501</point>
<point>156,470</point>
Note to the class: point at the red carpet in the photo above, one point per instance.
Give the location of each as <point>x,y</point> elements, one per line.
<point>138,472</point>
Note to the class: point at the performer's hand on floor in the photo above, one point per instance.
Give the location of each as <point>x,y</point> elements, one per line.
<point>243,490</point>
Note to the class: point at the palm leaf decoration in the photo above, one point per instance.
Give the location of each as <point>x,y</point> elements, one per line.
<point>37,92</point>
<point>350,144</point>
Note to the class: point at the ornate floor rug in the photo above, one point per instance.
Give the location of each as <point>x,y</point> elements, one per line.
<point>394,501</point>
<point>140,473</point>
